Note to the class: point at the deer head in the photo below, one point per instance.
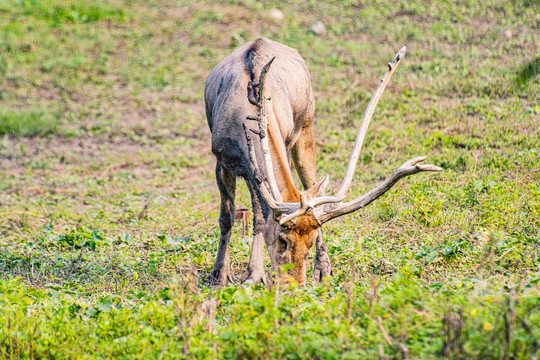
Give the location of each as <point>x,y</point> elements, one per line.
<point>294,226</point>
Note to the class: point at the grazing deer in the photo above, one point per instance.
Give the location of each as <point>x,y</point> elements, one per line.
<point>259,107</point>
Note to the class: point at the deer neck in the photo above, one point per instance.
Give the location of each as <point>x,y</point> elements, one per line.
<point>280,160</point>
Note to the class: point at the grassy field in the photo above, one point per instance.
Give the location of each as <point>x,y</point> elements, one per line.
<point>109,208</point>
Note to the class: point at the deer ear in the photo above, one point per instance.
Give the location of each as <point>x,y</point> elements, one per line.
<point>318,188</point>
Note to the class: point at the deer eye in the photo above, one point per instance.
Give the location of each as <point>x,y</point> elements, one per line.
<point>282,240</point>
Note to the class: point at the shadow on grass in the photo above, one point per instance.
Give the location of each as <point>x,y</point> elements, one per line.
<point>528,72</point>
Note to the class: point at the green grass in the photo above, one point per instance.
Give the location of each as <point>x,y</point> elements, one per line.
<point>27,123</point>
<point>109,208</point>
<point>57,12</point>
<point>528,72</point>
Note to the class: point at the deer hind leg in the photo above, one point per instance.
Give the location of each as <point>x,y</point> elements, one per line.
<point>255,270</point>
<point>304,158</point>
<point>221,272</point>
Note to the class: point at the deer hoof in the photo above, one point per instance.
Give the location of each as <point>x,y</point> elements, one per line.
<point>219,277</point>
<point>253,277</point>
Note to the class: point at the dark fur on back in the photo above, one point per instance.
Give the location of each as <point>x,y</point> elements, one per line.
<point>249,59</point>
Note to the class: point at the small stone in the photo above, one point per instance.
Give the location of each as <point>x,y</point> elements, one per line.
<point>236,40</point>
<point>508,34</point>
<point>318,29</point>
<point>276,15</point>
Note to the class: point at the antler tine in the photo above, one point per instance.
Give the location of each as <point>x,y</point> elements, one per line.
<point>259,175</point>
<point>304,207</point>
<point>392,66</point>
<point>263,134</point>
<point>362,131</point>
<point>409,167</point>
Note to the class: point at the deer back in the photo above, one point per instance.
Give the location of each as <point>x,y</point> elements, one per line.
<point>227,105</point>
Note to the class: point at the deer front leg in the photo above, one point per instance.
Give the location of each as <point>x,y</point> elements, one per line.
<point>255,270</point>
<point>322,266</point>
<point>221,272</point>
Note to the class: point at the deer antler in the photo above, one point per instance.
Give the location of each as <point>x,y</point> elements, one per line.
<point>409,167</point>
<point>259,175</point>
<point>366,119</point>
<point>325,213</point>
<point>334,204</point>
<point>263,133</point>
<point>268,185</point>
